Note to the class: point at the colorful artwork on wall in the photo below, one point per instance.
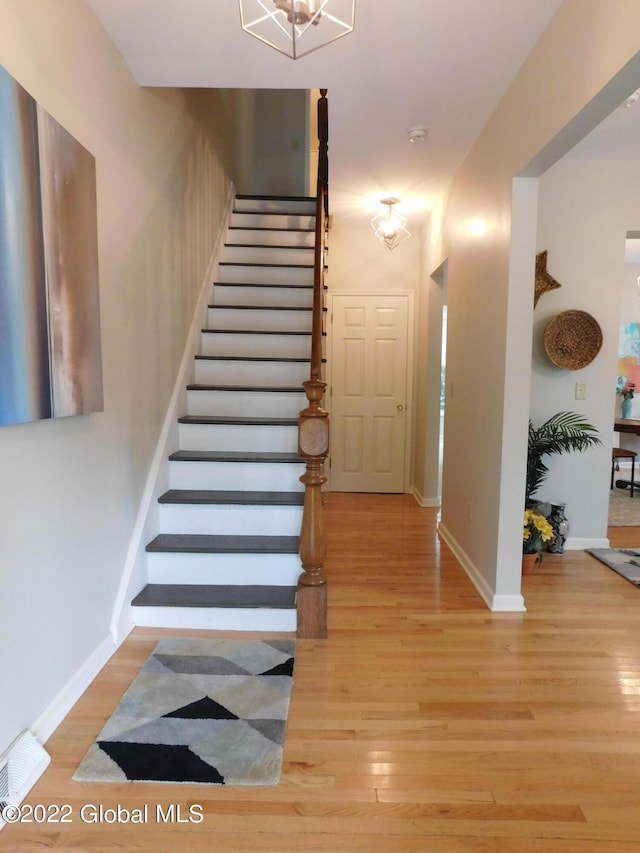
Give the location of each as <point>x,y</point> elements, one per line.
<point>628,356</point>
<point>50,350</point>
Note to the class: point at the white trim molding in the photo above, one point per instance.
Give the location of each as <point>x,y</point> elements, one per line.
<point>432,503</point>
<point>495,603</point>
<point>57,710</point>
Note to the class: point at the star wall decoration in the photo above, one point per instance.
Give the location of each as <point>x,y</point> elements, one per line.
<point>544,281</point>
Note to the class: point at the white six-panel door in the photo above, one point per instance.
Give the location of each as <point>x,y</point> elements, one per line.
<point>369,361</point>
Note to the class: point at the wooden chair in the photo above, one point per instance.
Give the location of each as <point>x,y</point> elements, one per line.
<point>618,453</point>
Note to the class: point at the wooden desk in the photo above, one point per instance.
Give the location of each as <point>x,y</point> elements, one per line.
<point>631,425</point>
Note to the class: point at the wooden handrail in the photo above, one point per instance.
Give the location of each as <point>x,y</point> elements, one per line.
<point>313,423</point>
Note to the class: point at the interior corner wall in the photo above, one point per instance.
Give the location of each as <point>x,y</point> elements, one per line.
<point>585,208</point>
<point>274,142</point>
<point>569,73</point>
<point>71,486</point>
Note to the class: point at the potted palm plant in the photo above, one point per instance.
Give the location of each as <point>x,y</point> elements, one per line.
<point>561,433</point>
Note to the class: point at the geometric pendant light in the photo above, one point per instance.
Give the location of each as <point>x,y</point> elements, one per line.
<point>390,226</point>
<point>297,27</point>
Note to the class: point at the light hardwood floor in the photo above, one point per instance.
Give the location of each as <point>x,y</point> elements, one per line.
<point>424,722</point>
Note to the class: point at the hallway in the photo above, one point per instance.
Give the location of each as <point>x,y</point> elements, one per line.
<point>424,722</point>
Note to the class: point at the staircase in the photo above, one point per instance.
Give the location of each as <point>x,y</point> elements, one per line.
<point>227,554</point>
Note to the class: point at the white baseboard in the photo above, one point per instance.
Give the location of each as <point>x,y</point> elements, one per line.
<point>55,713</point>
<point>433,503</point>
<point>575,543</point>
<point>495,603</point>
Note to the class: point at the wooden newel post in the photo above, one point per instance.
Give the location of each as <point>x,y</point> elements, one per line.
<point>313,447</point>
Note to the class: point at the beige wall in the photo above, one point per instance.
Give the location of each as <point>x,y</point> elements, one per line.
<point>71,487</point>
<point>563,89</point>
<point>584,212</point>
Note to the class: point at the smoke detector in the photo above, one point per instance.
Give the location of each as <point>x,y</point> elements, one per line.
<point>417,134</point>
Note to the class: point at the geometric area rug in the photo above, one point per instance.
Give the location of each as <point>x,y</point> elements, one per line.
<point>624,561</point>
<point>209,712</point>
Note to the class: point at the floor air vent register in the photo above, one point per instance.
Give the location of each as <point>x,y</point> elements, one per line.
<point>20,767</point>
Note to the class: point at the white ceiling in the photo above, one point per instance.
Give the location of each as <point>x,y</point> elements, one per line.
<point>442,64</point>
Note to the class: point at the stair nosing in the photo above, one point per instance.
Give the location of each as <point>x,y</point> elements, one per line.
<point>270,197</point>
<point>278,389</point>
<point>259,358</point>
<point>240,420</point>
<point>199,543</point>
<point>269,266</point>
<point>192,596</point>
<point>254,332</point>
<point>218,497</point>
<point>267,228</point>
<point>262,307</point>
<point>268,246</point>
<point>240,456</point>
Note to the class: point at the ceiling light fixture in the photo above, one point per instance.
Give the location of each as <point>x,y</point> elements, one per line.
<point>297,27</point>
<point>390,227</point>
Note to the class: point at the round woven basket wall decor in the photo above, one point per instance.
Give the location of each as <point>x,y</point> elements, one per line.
<point>572,339</point>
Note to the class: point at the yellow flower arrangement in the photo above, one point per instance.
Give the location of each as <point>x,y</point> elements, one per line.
<point>536,531</point>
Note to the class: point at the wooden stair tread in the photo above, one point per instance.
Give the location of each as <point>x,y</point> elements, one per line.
<point>260,308</point>
<point>245,420</point>
<point>281,389</point>
<point>255,332</point>
<point>215,496</point>
<point>254,358</point>
<point>271,266</point>
<point>199,543</point>
<point>267,228</point>
<point>232,456</point>
<point>205,595</point>
<point>311,199</point>
<point>268,246</point>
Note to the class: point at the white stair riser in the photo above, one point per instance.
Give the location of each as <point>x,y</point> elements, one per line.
<point>252,345</point>
<point>260,373</point>
<point>220,569</point>
<point>238,437</point>
<point>258,295</point>
<point>275,205</point>
<point>267,255</point>
<point>233,520</point>
<point>244,274</point>
<point>259,319</point>
<point>216,618</point>
<point>238,476</point>
<point>273,237</point>
<point>236,403</point>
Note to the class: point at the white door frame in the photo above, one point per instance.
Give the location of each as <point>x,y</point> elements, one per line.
<point>408,421</point>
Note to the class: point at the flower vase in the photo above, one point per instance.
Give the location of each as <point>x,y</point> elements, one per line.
<point>560,524</point>
<point>626,409</point>
<point>529,561</point>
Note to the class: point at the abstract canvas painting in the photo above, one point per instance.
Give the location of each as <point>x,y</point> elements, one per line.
<point>50,348</point>
<point>628,356</point>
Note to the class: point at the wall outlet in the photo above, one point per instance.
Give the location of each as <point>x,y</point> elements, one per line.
<point>581,390</point>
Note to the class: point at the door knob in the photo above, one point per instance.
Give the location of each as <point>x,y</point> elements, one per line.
<point>399,407</point>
